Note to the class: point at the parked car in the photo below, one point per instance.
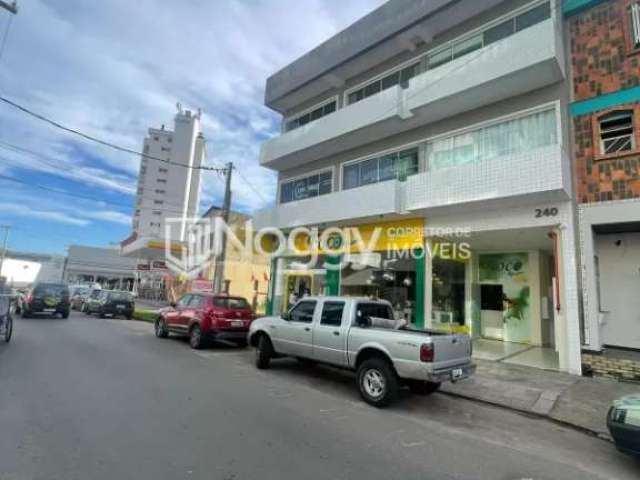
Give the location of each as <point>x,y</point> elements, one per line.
<point>623,421</point>
<point>49,298</point>
<point>362,335</point>
<point>204,317</point>
<point>78,296</point>
<point>111,303</point>
<point>88,297</point>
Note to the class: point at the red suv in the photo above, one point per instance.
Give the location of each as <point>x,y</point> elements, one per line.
<point>203,317</point>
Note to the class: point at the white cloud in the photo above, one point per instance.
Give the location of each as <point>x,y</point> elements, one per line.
<point>113,69</point>
<point>47,215</point>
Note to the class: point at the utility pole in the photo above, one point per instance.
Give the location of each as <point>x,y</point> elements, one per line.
<point>218,272</point>
<point>6,229</point>
<point>11,7</point>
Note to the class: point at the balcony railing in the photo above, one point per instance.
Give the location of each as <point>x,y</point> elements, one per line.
<point>523,62</point>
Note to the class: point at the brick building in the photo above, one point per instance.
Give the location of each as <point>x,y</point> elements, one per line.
<point>604,38</point>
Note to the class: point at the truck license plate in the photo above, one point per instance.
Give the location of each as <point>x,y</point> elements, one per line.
<point>237,323</point>
<point>49,310</point>
<point>456,373</point>
<point>120,306</point>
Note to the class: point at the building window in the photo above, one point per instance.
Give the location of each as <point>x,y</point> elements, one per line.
<point>163,170</point>
<point>160,192</point>
<point>156,138</point>
<point>157,212</point>
<point>616,132</point>
<point>158,202</point>
<point>162,180</point>
<point>399,76</point>
<point>515,136</point>
<point>456,49</point>
<point>635,24</point>
<point>379,169</point>
<point>165,149</point>
<point>306,187</point>
<point>314,114</point>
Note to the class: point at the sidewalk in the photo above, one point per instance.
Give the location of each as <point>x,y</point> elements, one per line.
<point>578,401</point>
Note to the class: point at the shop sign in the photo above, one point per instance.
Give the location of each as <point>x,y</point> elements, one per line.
<point>201,286</point>
<point>374,237</point>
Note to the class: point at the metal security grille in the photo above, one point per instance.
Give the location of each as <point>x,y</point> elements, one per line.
<point>635,21</point>
<point>616,132</point>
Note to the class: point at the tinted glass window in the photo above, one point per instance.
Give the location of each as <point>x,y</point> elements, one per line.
<point>378,310</point>
<point>390,80</point>
<point>51,289</point>
<point>467,46</point>
<point>307,187</point>
<point>332,313</point>
<point>350,173</point>
<point>196,301</point>
<point>372,89</point>
<point>440,58</point>
<point>303,312</point>
<point>237,302</point>
<point>533,16</point>
<point>95,294</point>
<point>184,301</point>
<point>121,296</point>
<point>498,32</point>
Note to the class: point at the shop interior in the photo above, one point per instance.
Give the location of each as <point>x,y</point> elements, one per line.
<point>502,296</point>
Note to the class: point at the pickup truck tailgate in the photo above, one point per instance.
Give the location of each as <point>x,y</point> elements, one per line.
<point>451,350</point>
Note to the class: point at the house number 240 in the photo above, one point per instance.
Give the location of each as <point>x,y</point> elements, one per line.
<point>546,212</point>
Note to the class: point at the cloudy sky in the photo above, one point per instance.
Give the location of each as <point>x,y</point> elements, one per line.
<point>114,68</point>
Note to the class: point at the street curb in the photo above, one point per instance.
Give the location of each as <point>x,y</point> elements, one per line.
<point>573,426</point>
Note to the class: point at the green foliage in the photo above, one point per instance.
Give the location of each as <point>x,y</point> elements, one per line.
<point>145,315</point>
<point>517,305</point>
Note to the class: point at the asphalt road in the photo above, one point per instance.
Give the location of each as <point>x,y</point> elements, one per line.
<point>87,398</point>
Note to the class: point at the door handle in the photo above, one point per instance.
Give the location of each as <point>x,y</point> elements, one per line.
<point>336,333</point>
<point>307,329</point>
<point>272,326</point>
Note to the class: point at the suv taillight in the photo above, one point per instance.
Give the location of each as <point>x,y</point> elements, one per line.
<point>426,352</point>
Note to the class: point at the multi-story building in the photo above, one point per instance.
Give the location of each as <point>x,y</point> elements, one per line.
<point>420,120</point>
<point>605,109</point>
<point>169,190</point>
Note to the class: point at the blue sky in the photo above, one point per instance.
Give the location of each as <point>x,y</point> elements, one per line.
<point>115,68</point>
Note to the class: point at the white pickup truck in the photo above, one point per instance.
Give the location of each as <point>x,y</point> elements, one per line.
<point>361,335</point>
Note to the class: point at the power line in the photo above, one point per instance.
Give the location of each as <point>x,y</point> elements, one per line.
<point>3,42</point>
<point>98,140</point>
<point>86,197</point>
<point>40,158</point>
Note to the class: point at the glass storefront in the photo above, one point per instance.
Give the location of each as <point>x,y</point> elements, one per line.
<point>380,275</point>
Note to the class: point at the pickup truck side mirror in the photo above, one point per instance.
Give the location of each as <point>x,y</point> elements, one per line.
<point>285,316</point>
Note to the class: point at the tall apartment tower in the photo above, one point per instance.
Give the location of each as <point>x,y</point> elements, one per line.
<point>421,119</point>
<point>169,190</point>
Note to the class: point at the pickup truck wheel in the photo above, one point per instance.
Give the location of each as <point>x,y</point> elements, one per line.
<point>264,352</point>
<point>419,387</point>
<point>377,382</point>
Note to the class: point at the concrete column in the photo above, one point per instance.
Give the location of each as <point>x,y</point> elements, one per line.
<point>568,317</point>
<point>535,295</point>
<point>428,284</point>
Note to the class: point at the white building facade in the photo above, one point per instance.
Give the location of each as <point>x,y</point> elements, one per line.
<point>447,122</point>
<point>169,190</point>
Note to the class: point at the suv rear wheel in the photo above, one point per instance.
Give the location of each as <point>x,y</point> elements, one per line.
<point>160,328</point>
<point>195,337</point>
<point>377,382</point>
